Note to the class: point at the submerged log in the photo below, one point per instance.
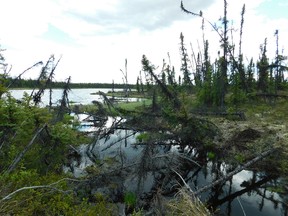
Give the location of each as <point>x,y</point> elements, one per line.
<point>237,170</point>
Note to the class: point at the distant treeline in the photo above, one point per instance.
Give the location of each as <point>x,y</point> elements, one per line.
<point>29,83</point>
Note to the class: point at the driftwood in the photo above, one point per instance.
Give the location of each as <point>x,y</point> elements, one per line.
<point>239,169</point>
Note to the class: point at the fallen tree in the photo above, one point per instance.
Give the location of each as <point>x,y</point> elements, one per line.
<point>237,170</point>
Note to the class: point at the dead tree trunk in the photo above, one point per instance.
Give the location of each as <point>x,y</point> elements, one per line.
<point>21,155</point>
<point>239,169</point>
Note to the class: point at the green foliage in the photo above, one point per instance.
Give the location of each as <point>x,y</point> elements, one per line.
<point>37,157</point>
<point>51,154</point>
<point>32,201</point>
<point>185,60</point>
<point>20,121</point>
<point>240,158</point>
<point>143,137</point>
<point>263,66</point>
<point>251,82</point>
<point>211,155</point>
<point>56,200</point>
<point>205,96</point>
<point>131,106</point>
<point>219,83</point>
<point>130,199</point>
<point>237,97</point>
<point>196,132</point>
<point>3,74</point>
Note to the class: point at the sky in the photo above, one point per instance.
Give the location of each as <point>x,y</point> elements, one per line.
<point>93,37</point>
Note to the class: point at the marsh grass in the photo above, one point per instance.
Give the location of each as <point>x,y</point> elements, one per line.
<point>133,106</point>
<point>132,94</point>
<point>186,204</point>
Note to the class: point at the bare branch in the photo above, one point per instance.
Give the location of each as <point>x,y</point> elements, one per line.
<point>50,186</point>
<point>21,155</point>
<point>189,12</point>
<point>19,76</point>
<point>186,185</point>
<point>223,38</point>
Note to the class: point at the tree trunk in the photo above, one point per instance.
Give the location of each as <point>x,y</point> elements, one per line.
<point>237,170</point>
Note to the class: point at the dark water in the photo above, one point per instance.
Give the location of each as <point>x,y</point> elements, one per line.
<point>247,193</point>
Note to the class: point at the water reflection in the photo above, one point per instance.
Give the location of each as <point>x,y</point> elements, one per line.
<point>246,193</point>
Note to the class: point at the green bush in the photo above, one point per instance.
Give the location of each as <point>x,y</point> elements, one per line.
<point>130,199</point>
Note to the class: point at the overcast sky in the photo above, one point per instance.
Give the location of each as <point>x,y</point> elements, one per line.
<point>95,37</point>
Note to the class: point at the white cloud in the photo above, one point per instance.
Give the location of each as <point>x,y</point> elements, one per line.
<point>24,19</point>
<point>102,34</point>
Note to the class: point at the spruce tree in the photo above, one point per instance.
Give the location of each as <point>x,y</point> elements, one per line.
<point>278,76</point>
<point>138,85</point>
<point>278,66</point>
<point>206,95</point>
<point>3,74</point>
<point>217,84</point>
<point>242,76</point>
<point>198,73</point>
<point>250,76</point>
<point>263,69</point>
<point>163,74</point>
<point>223,80</point>
<point>184,60</point>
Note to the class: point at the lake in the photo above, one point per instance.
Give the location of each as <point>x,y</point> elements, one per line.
<point>77,96</point>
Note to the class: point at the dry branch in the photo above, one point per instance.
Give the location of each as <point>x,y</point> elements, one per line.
<point>19,76</point>
<point>223,38</point>
<point>50,186</point>
<point>21,155</point>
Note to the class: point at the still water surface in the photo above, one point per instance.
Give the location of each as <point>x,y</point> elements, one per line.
<point>78,96</point>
